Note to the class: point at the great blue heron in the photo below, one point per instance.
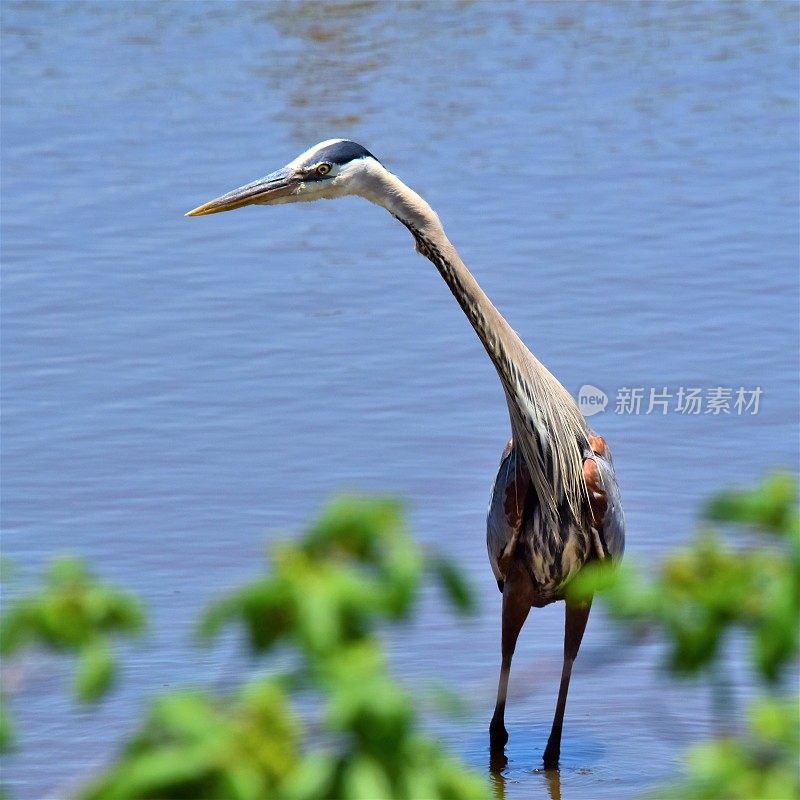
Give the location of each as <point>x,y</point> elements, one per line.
<point>555,503</point>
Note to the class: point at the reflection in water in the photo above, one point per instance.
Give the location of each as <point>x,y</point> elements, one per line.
<point>326,79</point>
<point>333,55</point>
<point>497,765</point>
<point>553,778</point>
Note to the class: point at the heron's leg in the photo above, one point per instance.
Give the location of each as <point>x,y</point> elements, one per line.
<point>516,606</point>
<point>574,625</point>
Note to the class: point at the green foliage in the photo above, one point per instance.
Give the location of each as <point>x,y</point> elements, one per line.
<point>354,566</point>
<point>74,612</point>
<point>195,746</point>
<point>6,728</point>
<point>703,591</point>
<point>452,582</point>
<point>706,588</point>
<point>324,596</point>
<point>770,507</point>
<point>761,764</point>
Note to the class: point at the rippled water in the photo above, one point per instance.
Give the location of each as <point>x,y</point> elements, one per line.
<point>621,178</point>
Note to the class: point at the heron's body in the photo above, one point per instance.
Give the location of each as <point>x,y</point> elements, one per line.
<point>548,555</point>
<point>555,503</point>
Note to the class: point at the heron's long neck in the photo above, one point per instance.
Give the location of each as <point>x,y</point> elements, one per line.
<point>545,421</point>
<point>409,208</point>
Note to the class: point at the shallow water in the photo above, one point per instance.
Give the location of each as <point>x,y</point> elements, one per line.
<point>621,178</point>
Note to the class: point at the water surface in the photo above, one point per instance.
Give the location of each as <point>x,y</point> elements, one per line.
<point>623,181</point>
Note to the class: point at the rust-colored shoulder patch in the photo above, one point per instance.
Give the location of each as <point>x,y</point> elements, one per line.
<point>598,501</point>
<point>598,445</point>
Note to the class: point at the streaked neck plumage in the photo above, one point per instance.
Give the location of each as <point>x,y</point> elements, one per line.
<point>408,207</point>
<point>546,423</point>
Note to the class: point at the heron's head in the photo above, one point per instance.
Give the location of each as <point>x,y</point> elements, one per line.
<point>333,168</point>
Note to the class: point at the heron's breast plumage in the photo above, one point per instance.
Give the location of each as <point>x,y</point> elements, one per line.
<point>550,555</point>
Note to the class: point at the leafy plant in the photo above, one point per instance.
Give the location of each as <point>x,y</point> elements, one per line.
<point>701,593</point>
<point>76,613</point>
<point>324,597</point>
<point>761,763</point>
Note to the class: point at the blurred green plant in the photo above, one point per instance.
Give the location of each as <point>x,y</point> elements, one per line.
<point>702,593</point>
<point>324,597</point>
<point>760,764</point>
<point>74,612</point>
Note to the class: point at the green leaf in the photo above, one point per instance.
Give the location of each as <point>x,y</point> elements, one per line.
<point>313,779</point>
<point>155,774</point>
<point>454,584</point>
<point>6,727</point>
<point>770,506</point>
<point>95,671</point>
<point>365,780</point>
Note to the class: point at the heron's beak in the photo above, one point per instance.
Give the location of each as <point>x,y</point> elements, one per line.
<point>265,190</point>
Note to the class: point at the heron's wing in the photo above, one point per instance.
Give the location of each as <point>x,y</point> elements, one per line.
<point>506,508</point>
<point>604,499</point>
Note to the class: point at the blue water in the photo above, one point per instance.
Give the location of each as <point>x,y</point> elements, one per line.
<point>621,178</point>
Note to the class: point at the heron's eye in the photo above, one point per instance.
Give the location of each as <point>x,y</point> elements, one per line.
<point>323,169</point>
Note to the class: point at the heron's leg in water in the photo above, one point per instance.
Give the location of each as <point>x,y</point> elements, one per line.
<point>517,597</point>
<point>575,620</point>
